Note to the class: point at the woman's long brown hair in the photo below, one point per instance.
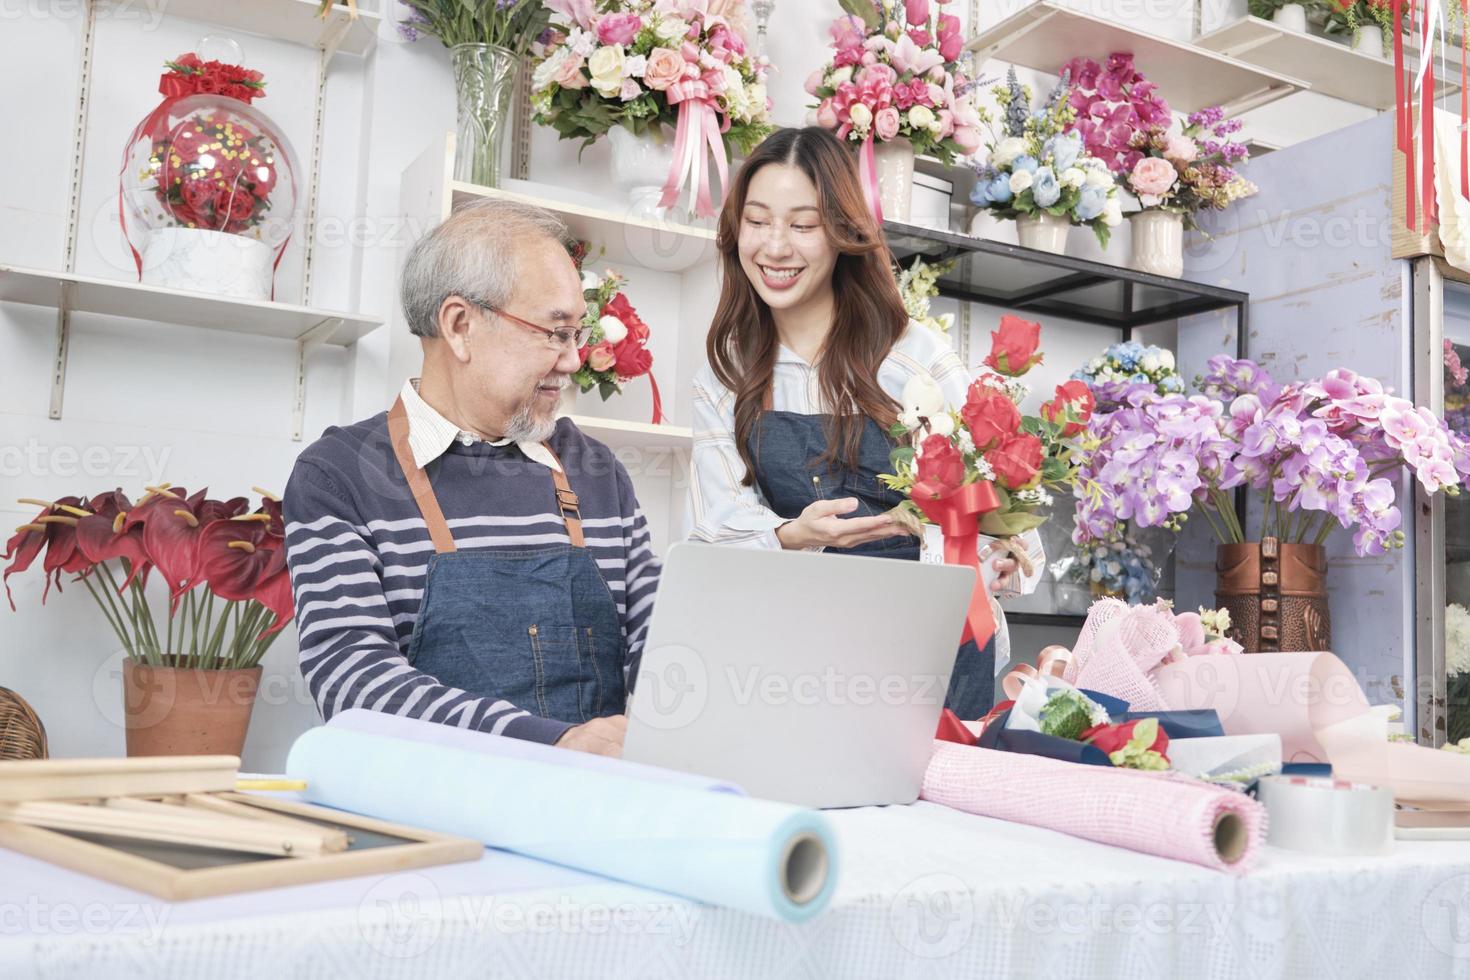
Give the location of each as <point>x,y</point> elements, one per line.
<point>868,316</point>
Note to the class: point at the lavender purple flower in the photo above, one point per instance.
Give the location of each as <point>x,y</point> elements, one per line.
<point>1319,453</point>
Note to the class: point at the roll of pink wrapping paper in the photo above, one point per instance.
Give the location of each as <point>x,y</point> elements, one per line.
<point>1167,815</point>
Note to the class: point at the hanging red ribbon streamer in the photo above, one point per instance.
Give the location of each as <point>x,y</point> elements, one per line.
<point>658,403</point>
<point>958,516</point>
<point>699,128</point>
<point>868,171</point>
<point>1426,125</point>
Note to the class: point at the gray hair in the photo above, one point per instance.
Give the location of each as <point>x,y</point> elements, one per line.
<point>472,253</point>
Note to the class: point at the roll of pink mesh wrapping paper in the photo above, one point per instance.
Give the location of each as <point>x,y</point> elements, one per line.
<point>1164,814</point>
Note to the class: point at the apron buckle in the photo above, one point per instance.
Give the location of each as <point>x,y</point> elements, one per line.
<point>566,499</point>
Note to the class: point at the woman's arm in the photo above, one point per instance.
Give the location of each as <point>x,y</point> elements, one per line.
<point>721,510</point>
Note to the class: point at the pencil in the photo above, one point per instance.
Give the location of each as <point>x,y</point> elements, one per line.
<point>271,784</point>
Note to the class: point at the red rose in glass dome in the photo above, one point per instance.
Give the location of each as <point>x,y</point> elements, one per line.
<point>940,467</point>
<point>1016,461</point>
<point>1013,348</point>
<point>990,416</point>
<point>1074,396</point>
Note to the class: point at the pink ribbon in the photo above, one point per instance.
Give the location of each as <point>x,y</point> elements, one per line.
<point>1050,662</point>
<point>699,128</point>
<point>868,171</point>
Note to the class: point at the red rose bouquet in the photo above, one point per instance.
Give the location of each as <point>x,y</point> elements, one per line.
<point>221,565</point>
<point>617,342</point>
<point>987,440</point>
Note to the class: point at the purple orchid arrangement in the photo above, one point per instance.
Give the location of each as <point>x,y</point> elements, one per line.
<point>1113,102</point>
<point>1456,392</point>
<point>1319,453</point>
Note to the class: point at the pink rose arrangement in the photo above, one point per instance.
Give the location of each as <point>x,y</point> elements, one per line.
<point>896,73</point>
<point>649,64</point>
<point>1191,170</point>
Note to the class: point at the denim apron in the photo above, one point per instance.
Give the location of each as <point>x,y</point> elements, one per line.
<point>533,626</point>
<point>787,448</point>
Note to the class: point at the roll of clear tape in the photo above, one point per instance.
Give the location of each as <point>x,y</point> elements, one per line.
<point>1326,816</point>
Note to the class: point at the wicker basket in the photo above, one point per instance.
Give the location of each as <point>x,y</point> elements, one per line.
<point>22,736</point>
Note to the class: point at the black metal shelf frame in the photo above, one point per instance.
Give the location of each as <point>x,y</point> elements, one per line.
<point>1030,281</point>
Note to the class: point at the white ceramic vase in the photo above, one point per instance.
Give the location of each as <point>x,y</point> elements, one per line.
<point>205,261</point>
<point>894,161</point>
<point>1369,40</point>
<point>1043,232</point>
<point>1293,17</point>
<point>1158,243</point>
<point>640,166</point>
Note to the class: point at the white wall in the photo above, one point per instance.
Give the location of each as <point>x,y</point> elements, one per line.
<point>148,402</point>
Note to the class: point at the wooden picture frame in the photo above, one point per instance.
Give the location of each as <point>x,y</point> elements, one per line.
<point>180,872</point>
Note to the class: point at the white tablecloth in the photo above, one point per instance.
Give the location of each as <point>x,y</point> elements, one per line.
<point>923,892</point>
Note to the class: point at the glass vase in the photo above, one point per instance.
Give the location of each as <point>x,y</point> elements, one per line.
<point>484,81</point>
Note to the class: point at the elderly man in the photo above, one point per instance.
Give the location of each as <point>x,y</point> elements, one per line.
<point>466,557</point>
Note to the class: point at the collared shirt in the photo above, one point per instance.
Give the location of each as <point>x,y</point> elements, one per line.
<point>430,433</point>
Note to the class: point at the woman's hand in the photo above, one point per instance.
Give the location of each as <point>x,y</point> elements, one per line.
<point>820,524</point>
<point>1005,572</point>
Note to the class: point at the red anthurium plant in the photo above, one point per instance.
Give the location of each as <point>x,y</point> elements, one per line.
<point>222,566</point>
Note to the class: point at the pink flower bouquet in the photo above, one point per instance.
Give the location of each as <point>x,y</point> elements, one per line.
<point>1189,171</point>
<point>645,65</point>
<point>896,74</point>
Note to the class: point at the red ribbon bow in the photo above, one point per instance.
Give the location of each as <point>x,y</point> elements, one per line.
<point>957,512</point>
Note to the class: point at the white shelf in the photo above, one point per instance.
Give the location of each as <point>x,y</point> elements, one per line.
<point>1045,36</point>
<point>286,20</point>
<point>111,297</point>
<point>1329,67</point>
<point>626,240</point>
<point>617,434</point>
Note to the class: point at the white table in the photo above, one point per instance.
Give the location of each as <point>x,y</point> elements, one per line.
<point>923,892</point>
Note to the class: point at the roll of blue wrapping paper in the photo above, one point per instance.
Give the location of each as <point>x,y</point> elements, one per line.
<point>758,856</point>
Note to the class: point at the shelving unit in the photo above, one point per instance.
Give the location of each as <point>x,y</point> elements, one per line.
<point>295,21</point>
<point>1327,66</point>
<point>627,240</point>
<point>68,293</point>
<point>618,434</point>
<point>1026,280</point>
<point>1044,36</point>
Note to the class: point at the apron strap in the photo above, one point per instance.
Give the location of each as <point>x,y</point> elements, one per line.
<point>566,500</point>
<point>418,481</point>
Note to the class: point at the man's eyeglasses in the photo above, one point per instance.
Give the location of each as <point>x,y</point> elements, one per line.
<point>559,337</point>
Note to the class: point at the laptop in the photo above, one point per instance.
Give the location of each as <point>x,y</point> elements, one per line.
<point>808,678</point>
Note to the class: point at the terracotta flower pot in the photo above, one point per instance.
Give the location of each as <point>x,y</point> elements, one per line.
<point>183,711</point>
<point>1276,595</point>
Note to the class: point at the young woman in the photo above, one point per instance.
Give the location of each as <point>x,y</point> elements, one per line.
<point>809,352</point>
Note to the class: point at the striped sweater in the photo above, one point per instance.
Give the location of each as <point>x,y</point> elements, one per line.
<point>357,549</point>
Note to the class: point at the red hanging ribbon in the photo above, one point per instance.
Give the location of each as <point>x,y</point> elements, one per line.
<point>1426,125</point>
<point>658,403</point>
<point>958,516</point>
